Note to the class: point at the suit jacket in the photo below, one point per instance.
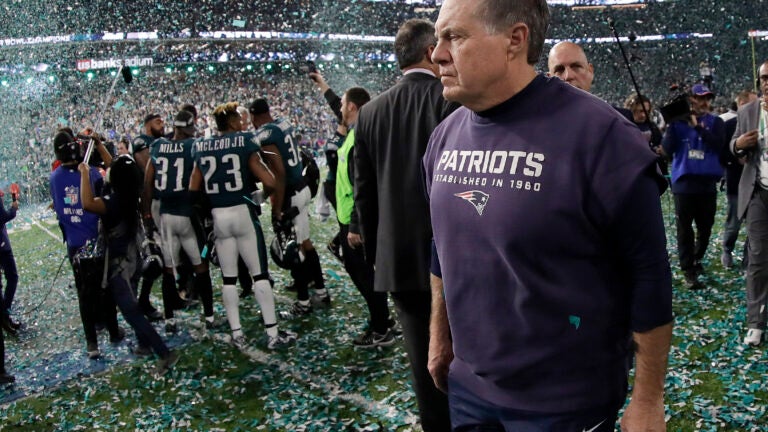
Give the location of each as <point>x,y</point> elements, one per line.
<point>391,137</point>
<point>747,120</point>
<point>733,167</point>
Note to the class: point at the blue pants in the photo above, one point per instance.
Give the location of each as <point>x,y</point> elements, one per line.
<point>469,413</point>
<point>120,273</point>
<point>8,265</point>
<point>690,209</point>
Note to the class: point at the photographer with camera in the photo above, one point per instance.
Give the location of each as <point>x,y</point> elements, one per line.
<point>81,228</point>
<point>695,143</point>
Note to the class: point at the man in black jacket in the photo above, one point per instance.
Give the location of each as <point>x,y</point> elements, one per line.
<point>391,136</point>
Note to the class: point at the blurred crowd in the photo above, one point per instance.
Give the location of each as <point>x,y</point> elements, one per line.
<point>34,111</point>
<point>35,103</point>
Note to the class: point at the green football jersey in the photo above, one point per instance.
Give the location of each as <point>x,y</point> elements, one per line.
<point>173,167</point>
<point>280,134</point>
<point>223,160</point>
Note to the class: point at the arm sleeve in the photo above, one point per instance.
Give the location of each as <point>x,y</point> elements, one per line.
<point>715,138</point>
<point>639,236</point>
<point>366,191</point>
<point>354,223</point>
<point>97,183</point>
<point>5,215</point>
<point>334,101</point>
<point>332,154</point>
<point>655,135</point>
<point>434,267</point>
<point>739,131</point>
<point>669,141</point>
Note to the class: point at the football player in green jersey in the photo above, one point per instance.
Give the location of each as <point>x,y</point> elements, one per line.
<point>168,173</point>
<point>227,167</point>
<point>276,139</point>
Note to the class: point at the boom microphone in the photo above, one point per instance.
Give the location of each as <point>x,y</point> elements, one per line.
<point>126,73</point>
<point>612,25</point>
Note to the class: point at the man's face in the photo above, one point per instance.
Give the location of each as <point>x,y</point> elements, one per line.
<point>638,115</point>
<point>156,127</point>
<point>763,76</point>
<point>345,111</point>
<point>235,123</point>
<point>700,104</point>
<point>569,63</point>
<point>121,148</point>
<point>471,61</point>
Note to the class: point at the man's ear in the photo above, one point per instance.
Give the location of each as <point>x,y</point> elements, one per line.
<point>430,50</point>
<point>518,36</point>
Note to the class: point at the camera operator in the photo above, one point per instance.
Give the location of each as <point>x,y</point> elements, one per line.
<point>695,146</point>
<point>80,227</point>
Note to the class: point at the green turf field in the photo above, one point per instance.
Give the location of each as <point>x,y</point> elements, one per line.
<point>322,383</point>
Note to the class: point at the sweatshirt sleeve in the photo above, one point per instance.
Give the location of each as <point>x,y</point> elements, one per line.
<point>638,232</point>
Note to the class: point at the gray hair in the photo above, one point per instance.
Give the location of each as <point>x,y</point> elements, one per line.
<point>413,39</point>
<point>499,15</point>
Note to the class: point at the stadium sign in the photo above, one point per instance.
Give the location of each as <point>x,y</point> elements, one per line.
<point>34,40</point>
<point>89,64</point>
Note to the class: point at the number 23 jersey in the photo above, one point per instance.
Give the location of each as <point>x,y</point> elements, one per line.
<point>223,161</point>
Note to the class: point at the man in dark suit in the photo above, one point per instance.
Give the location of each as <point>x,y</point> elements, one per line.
<point>749,141</point>
<point>392,134</point>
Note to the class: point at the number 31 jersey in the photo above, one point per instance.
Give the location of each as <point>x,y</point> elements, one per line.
<point>173,167</point>
<point>223,161</point>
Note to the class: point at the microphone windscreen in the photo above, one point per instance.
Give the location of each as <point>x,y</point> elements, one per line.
<point>127,76</point>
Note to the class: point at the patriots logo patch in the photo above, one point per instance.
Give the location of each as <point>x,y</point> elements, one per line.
<point>477,198</point>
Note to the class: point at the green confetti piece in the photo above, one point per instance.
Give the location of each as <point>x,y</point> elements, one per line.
<point>574,321</point>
